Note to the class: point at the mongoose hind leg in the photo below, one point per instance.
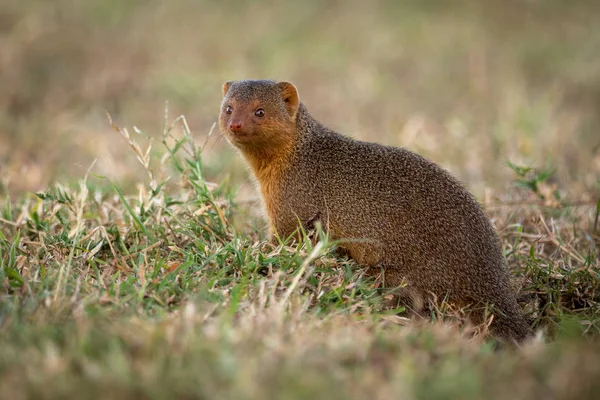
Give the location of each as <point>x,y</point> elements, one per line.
<point>403,293</point>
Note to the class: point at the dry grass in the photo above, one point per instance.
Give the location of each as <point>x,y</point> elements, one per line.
<point>469,84</point>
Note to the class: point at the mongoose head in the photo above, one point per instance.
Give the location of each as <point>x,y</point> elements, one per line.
<point>258,113</point>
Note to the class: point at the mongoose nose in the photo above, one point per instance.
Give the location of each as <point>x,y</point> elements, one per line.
<point>235,126</point>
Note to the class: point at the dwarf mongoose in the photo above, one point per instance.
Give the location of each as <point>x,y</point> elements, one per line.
<point>402,213</point>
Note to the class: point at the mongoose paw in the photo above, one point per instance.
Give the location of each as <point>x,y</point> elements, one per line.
<point>310,224</point>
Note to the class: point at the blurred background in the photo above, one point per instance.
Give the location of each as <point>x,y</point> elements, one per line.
<point>470,84</point>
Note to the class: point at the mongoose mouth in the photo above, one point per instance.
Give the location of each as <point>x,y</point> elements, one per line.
<point>240,137</point>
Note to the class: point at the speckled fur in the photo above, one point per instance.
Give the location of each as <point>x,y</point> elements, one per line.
<point>411,217</point>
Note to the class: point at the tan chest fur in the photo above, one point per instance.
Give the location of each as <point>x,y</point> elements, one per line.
<point>269,181</point>
<point>269,173</point>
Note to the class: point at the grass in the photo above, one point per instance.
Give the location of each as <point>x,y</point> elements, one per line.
<point>517,81</point>
<point>160,294</point>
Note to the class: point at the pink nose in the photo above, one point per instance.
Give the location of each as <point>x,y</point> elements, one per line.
<point>235,126</point>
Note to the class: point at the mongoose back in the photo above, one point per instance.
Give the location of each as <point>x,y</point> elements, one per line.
<point>396,211</point>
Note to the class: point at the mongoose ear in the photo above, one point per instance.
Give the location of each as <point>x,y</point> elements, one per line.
<point>290,96</point>
<point>226,87</point>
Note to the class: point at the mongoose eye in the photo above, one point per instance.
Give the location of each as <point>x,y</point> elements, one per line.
<point>259,112</point>
<point>228,110</point>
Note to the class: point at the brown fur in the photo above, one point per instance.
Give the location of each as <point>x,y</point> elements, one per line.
<point>402,212</point>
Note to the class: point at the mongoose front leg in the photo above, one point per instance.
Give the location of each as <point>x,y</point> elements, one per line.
<point>283,230</point>
<point>311,223</point>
